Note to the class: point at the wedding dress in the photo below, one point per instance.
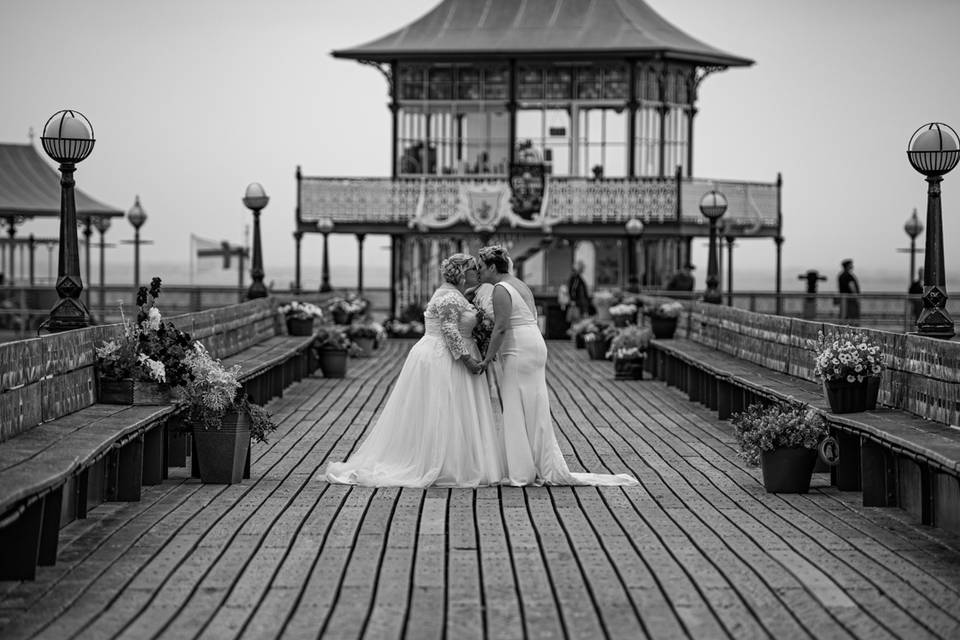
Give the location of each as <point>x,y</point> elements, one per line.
<point>532,454</point>
<point>437,426</point>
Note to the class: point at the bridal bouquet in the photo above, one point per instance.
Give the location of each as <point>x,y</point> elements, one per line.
<point>482,331</point>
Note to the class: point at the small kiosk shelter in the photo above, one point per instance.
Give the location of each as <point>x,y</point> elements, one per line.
<point>547,126</point>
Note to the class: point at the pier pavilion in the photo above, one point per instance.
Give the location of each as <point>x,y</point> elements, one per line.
<point>551,127</point>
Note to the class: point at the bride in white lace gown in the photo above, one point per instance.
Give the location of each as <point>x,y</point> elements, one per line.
<point>532,455</point>
<point>437,426</point>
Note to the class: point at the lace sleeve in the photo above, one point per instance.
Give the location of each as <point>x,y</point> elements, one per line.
<point>448,310</point>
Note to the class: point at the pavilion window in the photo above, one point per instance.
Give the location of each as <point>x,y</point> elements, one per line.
<point>648,140</point>
<point>602,142</point>
<point>549,131</point>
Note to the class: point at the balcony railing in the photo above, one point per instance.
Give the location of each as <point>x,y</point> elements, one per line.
<point>444,201</point>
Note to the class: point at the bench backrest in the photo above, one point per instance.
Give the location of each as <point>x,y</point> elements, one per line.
<point>921,375</point>
<point>45,378</point>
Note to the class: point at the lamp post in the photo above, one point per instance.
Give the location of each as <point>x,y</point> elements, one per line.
<point>913,227</point>
<point>713,205</point>
<point>731,239</point>
<point>325,226</point>
<point>136,216</point>
<point>255,199</point>
<point>68,139</point>
<point>634,229</point>
<point>102,223</point>
<point>934,150</point>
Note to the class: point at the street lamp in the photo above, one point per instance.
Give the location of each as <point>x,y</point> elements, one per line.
<point>325,226</point>
<point>713,205</point>
<point>102,223</point>
<point>913,227</point>
<point>933,150</point>
<point>68,139</point>
<point>255,199</point>
<point>634,229</point>
<point>136,216</point>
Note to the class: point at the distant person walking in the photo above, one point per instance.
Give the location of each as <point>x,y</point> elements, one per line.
<point>849,289</point>
<point>579,305</point>
<point>916,289</point>
<point>682,280</point>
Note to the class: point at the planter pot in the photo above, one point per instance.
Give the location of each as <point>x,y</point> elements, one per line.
<point>340,317</point>
<point>578,341</point>
<point>597,349</point>
<point>333,362</point>
<point>663,328</point>
<point>130,391</point>
<point>300,326</point>
<point>621,321</point>
<point>628,369</point>
<point>851,397</point>
<point>222,453</point>
<point>366,344</point>
<point>788,469</point>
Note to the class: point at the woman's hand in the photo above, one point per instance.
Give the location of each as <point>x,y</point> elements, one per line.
<point>473,366</point>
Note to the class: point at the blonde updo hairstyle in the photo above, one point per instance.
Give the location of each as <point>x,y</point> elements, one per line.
<point>452,269</point>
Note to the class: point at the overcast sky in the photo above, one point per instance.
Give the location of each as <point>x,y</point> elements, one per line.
<point>193,99</point>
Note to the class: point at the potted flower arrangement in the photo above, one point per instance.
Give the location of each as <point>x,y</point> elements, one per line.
<point>628,349</point>
<point>333,346</point>
<point>221,416</point>
<point>300,317</point>
<point>783,440</point>
<point>849,364</point>
<point>398,329</point>
<point>145,362</point>
<point>364,335</point>
<point>623,314</point>
<point>348,309</point>
<point>602,301</point>
<point>597,340</point>
<point>663,319</point>
<point>579,329</point>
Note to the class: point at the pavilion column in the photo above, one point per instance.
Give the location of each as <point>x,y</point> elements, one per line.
<point>512,111</point>
<point>394,119</point>
<point>87,232</point>
<point>325,269</point>
<point>12,231</point>
<point>297,240</point>
<point>393,276</point>
<point>691,112</point>
<point>779,272</point>
<point>32,249</point>
<point>779,241</point>
<point>663,110</point>
<point>360,238</point>
<point>632,106</point>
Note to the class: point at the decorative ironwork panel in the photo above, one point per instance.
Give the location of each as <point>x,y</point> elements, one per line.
<point>615,201</point>
<point>359,199</point>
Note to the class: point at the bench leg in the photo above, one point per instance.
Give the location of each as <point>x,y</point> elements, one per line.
<point>246,465</point>
<point>846,475</point>
<point>176,446</point>
<point>876,469</point>
<point>153,456</point>
<point>50,531</point>
<point>125,472</point>
<point>81,491</point>
<point>724,391</point>
<point>20,544</point>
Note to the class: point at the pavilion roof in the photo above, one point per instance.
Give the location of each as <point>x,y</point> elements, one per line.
<point>31,187</point>
<point>475,29</point>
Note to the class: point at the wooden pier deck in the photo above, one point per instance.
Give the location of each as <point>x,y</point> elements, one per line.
<point>698,550</point>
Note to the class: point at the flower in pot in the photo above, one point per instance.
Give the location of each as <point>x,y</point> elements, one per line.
<point>849,364</point>
<point>333,346</point>
<point>597,339</point>
<point>623,314</point>
<point>602,301</point>
<point>396,328</point>
<point>663,319</point>
<point>578,330</point>
<point>783,440</point>
<point>347,309</point>
<point>146,361</point>
<point>301,316</point>
<point>628,349</point>
<point>222,417</point>
<point>364,335</point>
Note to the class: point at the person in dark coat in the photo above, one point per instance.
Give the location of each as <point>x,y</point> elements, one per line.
<point>847,284</point>
<point>682,280</point>
<point>579,306</point>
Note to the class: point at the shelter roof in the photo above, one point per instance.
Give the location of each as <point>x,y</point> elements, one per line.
<point>475,29</point>
<point>31,187</point>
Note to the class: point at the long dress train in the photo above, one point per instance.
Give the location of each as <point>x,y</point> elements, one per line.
<point>437,426</point>
<point>532,453</point>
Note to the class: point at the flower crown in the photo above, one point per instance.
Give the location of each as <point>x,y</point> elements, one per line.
<point>488,254</point>
<point>453,268</point>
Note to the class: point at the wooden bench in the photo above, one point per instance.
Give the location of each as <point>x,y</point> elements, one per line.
<point>905,453</point>
<point>62,453</point>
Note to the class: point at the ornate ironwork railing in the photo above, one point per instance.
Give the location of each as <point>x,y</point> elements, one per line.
<point>485,202</point>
